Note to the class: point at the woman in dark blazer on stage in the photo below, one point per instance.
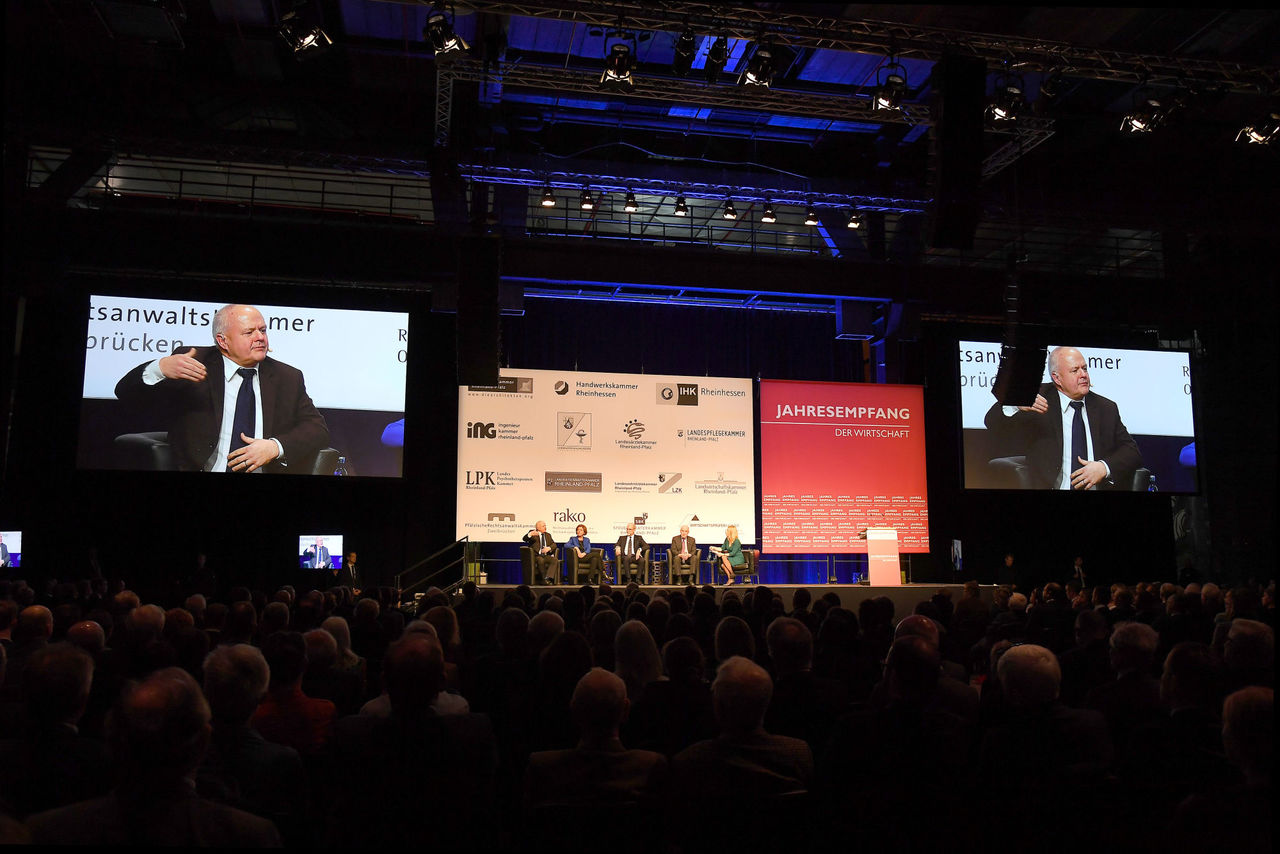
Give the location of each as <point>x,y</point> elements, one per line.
<point>580,544</point>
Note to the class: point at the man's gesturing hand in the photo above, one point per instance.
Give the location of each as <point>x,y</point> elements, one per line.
<point>1039,405</point>
<point>253,456</point>
<point>1089,475</point>
<point>182,366</point>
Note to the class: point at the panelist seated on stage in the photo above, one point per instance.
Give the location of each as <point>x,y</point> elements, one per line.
<point>579,546</point>
<point>317,555</point>
<point>683,558</point>
<point>631,550</point>
<point>545,564</point>
<point>231,407</point>
<point>1073,438</point>
<point>730,553</point>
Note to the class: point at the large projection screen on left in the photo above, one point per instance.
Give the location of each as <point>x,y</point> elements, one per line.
<point>603,450</point>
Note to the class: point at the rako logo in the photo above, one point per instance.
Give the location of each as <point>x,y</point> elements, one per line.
<point>481,430</point>
<point>568,516</point>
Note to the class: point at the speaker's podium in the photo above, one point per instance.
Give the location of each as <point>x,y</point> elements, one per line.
<point>883,568</point>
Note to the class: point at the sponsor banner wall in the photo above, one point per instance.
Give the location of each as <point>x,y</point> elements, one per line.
<point>351,359</point>
<point>836,458</point>
<point>604,450</point>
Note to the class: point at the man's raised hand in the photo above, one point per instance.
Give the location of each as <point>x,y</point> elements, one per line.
<point>183,366</point>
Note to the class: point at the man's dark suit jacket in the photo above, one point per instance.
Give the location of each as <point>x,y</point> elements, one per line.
<point>312,562</point>
<point>674,554</point>
<point>640,544</point>
<point>1039,435</point>
<point>194,412</point>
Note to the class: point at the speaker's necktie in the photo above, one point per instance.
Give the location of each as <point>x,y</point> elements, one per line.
<point>1079,445</point>
<point>245,421</point>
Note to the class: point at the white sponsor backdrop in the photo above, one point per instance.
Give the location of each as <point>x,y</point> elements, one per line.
<point>350,359</point>
<point>1151,387</point>
<point>603,450</point>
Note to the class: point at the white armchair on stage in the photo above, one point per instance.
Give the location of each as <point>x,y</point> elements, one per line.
<point>883,568</point>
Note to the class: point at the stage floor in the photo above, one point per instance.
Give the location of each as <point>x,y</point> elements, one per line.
<point>904,597</point>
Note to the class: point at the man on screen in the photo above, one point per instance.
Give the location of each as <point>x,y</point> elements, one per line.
<point>231,407</point>
<point>1073,437</point>
<point>317,556</point>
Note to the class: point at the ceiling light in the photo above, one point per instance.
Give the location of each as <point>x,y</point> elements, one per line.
<point>1154,112</point>
<point>729,211</point>
<point>855,220</point>
<point>439,32</point>
<point>1008,102</point>
<point>760,68</point>
<point>302,38</point>
<point>630,205</point>
<point>1262,133</point>
<point>810,216</point>
<point>717,56</point>
<point>768,215</point>
<point>617,68</point>
<point>681,208</point>
<point>585,201</point>
<point>890,91</point>
<point>548,197</point>
<point>686,46</point>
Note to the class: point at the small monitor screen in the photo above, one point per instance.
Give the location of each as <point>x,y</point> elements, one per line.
<point>320,551</point>
<point>164,388</point>
<point>10,549</point>
<point>1134,430</point>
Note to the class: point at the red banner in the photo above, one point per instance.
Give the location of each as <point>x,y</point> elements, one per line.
<point>836,458</point>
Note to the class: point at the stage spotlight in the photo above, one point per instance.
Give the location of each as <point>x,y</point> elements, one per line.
<point>1008,102</point>
<point>548,197</point>
<point>686,46</point>
<point>810,216</point>
<point>1262,133</point>
<point>729,211</point>
<point>617,69</point>
<point>681,208</point>
<point>630,205</point>
<point>760,68</point>
<point>1151,114</point>
<point>585,202</point>
<point>768,215</point>
<point>717,56</point>
<point>439,32</point>
<point>855,220</point>
<point>302,38</point>
<point>892,89</point>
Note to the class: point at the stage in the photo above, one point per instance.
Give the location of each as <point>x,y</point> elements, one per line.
<point>904,597</point>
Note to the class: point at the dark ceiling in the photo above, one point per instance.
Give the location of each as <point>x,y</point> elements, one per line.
<point>211,81</point>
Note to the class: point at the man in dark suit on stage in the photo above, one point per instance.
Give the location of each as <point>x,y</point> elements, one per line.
<point>1073,438</point>
<point>230,407</point>
<point>682,560</point>
<point>631,549</point>
<point>545,567</point>
<point>4,552</point>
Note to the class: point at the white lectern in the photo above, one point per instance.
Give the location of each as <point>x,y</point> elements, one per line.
<point>883,568</point>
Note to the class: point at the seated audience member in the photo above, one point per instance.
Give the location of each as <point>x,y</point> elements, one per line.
<point>108,677</point>
<point>744,761</point>
<point>1249,654</point>
<point>158,735</point>
<point>51,764</point>
<point>733,637</point>
<point>1133,697</point>
<point>325,680</point>
<point>347,660</point>
<point>544,627</point>
<point>950,693</point>
<point>286,715</point>
<point>601,633</point>
<point>31,633</point>
<point>243,769</point>
<point>1010,624</point>
<point>599,770</point>
<point>1087,664</point>
<point>391,768</point>
<point>636,658</point>
<point>560,667</point>
<point>675,712</point>
<point>803,705</point>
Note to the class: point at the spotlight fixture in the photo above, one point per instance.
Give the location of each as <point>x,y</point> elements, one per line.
<point>760,68</point>
<point>681,208</point>
<point>1154,112</point>
<point>630,205</point>
<point>729,211</point>
<point>304,39</point>
<point>1008,101</point>
<point>1262,133</point>
<point>686,46</point>
<point>855,220</point>
<point>439,32</point>
<point>717,56</point>
<point>585,202</point>
<point>768,215</point>
<point>548,197</point>
<point>617,69</point>
<point>890,91</point>
<point>810,216</point>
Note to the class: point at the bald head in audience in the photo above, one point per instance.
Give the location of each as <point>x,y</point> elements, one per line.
<point>599,706</point>
<point>35,622</point>
<point>741,694</point>
<point>1030,676</point>
<point>56,684</point>
<point>1133,648</point>
<point>159,731</point>
<point>88,636</point>
<point>1248,732</point>
<point>235,681</point>
<point>414,674</point>
<point>918,626</point>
